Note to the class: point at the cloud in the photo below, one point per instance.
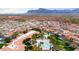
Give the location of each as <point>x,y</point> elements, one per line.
<point>11,10</point>
<point>15,10</point>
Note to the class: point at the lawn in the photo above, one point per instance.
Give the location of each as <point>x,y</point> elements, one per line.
<point>63,44</point>
<point>1,45</point>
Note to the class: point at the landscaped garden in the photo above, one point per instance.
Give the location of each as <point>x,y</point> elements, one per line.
<point>61,44</point>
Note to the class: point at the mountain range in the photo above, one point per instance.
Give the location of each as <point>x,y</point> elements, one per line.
<point>43,11</point>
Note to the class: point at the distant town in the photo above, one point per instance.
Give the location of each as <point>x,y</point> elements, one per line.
<point>39,32</point>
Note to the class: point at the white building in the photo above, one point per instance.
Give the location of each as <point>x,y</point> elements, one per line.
<point>45,45</point>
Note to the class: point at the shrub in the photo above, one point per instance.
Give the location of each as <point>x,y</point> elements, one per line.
<point>1,45</point>
<point>7,40</point>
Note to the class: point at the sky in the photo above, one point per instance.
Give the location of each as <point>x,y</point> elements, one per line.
<point>15,10</point>
<point>12,10</point>
<point>22,6</point>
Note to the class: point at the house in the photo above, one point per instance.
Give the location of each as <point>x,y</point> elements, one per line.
<point>16,44</point>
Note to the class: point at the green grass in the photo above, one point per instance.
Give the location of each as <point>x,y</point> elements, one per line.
<point>63,44</point>
<point>1,45</point>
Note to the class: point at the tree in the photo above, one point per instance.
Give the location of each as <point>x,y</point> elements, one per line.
<point>25,31</point>
<point>35,48</point>
<point>15,35</point>
<point>69,48</point>
<point>7,40</point>
<point>41,35</point>
<point>1,45</point>
<point>34,37</point>
<point>28,44</point>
